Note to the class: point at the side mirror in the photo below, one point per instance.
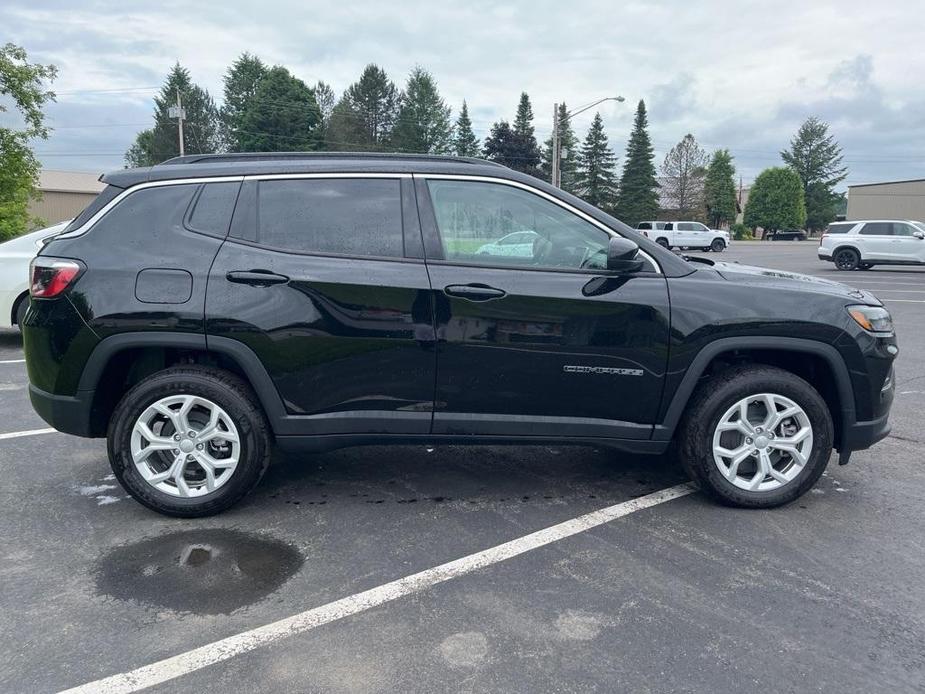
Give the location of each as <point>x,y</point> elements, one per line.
<point>623,255</point>
<point>919,235</point>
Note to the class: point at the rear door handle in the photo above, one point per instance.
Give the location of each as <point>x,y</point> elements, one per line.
<point>474,292</point>
<point>257,278</point>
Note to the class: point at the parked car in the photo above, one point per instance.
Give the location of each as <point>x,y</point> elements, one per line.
<point>15,256</point>
<point>787,235</point>
<point>863,244</point>
<point>194,334</point>
<point>685,235</point>
<point>520,243</point>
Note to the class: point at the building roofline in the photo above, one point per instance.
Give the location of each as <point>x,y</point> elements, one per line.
<point>886,183</point>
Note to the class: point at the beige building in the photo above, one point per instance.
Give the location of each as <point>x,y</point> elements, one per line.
<point>888,200</point>
<point>64,194</point>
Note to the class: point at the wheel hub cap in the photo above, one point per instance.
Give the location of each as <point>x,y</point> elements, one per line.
<point>762,442</point>
<point>185,445</point>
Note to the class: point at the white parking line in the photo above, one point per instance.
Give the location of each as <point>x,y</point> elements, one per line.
<point>13,361</point>
<point>29,432</point>
<point>218,651</point>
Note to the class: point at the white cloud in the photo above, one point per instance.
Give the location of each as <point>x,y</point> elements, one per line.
<point>736,74</point>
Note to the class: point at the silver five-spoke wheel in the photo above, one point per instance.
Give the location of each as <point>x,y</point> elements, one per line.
<point>185,446</point>
<point>762,442</point>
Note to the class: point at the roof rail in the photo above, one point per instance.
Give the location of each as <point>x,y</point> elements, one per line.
<point>282,156</point>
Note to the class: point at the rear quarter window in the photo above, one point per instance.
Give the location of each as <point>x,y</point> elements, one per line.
<point>839,228</point>
<point>149,211</point>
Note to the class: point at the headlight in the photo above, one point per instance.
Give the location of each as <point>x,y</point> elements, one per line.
<point>875,319</point>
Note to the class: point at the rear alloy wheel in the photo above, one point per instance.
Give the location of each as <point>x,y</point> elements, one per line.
<point>718,246</point>
<point>189,441</point>
<point>756,436</point>
<point>663,242</point>
<point>847,259</point>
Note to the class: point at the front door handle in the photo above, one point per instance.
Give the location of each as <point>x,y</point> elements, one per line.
<point>474,292</point>
<point>257,278</point>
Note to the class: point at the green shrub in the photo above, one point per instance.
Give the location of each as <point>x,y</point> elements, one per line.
<point>740,232</point>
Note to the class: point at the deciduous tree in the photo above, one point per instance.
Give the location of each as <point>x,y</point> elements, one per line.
<point>23,84</point>
<point>776,201</point>
<point>683,173</point>
<point>638,197</point>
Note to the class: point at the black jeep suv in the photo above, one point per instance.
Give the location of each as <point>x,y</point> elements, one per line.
<point>203,310</point>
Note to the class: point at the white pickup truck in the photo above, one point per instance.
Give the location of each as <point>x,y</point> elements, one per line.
<point>685,235</point>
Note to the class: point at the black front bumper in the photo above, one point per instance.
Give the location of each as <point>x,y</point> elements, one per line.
<point>67,413</point>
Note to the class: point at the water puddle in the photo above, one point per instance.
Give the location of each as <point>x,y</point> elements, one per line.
<point>200,571</point>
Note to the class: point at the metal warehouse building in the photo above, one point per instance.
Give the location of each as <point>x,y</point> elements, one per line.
<point>64,194</point>
<point>888,200</point>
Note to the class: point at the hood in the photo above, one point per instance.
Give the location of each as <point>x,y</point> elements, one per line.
<point>762,276</point>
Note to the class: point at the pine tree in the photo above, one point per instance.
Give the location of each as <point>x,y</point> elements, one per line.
<point>423,121</point>
<point>596,180</point>
<point>364,117</point>
<point>719,189</point>
<point>501,145</point>
<point>326,100</point>
<point>283,116</point>
<point>527,157</point>
<point>200,127</point>
<point>465,143</point>
<point>816,156</point>
<point>241,81</point>
<point>568,151</point>
<point>638,199</point>
<point>684,169</point>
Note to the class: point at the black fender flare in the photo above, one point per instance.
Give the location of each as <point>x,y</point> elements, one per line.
<point>237,351</point>
<point>681,396</point>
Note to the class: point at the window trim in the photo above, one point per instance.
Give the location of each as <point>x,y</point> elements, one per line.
<point>536,191</point>
<point>88,225</point>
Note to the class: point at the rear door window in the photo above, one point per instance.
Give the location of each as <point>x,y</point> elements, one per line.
<point>337,216</point>
<point>877,229</point>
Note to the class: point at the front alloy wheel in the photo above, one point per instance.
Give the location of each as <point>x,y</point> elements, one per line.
<point>762,442</point>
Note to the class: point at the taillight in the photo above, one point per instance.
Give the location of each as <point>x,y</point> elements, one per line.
<point>646,234</point>
<point>51,276</point>
<point>822,238</point>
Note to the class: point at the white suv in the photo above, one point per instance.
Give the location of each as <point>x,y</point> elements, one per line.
<point>863,244</point>
<point>685,235</point>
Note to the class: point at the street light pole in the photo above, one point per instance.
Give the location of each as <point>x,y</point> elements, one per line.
<point>556,164</point>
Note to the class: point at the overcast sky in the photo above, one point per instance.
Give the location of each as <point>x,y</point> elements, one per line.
<point>736,74</point>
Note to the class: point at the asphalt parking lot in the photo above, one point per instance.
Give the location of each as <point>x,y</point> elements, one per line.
<point>826,594</point>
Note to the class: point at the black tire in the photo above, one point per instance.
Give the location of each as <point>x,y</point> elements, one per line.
<point>718,246</point>
<point>663,242</point>
<point>21,309</point>
<point>846,259</point>
<point>224,389</point>
<point>710,402</point>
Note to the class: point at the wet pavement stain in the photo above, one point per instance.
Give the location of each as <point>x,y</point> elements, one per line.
<point>210,572</point>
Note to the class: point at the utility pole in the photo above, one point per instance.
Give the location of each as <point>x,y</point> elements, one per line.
<point>554,164</point>
<point>178,113</point>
